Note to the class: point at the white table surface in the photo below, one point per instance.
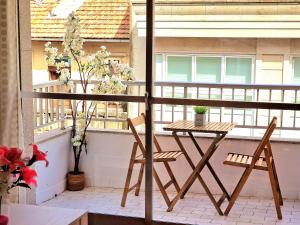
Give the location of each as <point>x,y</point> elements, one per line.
<point>39,215</point>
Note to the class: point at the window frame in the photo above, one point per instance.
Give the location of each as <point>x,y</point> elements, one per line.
<point>292,77</point>
<point>223,57</point>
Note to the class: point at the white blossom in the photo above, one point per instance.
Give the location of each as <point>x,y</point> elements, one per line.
<point>65,75</point>
<point>51,53</point>
<point>108,74</point>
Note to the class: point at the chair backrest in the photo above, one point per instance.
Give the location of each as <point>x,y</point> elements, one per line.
<point>265,140</point>
<point>137,121</point>
<point>140,120</point>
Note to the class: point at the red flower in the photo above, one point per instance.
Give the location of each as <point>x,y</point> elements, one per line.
<point>3,160</point>
<point>14,156</point>
<point>11,157</point>
<point>28,175</point>
<point>39,156</point>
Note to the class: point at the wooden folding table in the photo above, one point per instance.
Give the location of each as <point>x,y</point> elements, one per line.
<point>218,128</point>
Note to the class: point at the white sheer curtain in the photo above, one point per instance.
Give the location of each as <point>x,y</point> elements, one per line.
<point>9,81</point>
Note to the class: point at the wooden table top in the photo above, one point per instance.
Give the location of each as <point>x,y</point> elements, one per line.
<point>189,126</point>
<point>39,215</point>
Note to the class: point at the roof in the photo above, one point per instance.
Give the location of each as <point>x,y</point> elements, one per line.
<point>100,19</point>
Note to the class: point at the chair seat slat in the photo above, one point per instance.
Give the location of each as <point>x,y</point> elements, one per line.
<point>241,160</point>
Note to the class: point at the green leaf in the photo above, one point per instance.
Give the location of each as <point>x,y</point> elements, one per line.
<point>31,161</point>
<point>23,185</point>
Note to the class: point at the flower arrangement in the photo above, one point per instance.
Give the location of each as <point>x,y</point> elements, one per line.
<point>15,168</point>
<point>107,75</point>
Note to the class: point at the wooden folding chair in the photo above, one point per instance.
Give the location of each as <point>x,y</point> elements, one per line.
<point>259,162</point>
<point>158,157</point>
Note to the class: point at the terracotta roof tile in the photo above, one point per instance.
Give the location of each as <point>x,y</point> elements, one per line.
<point>100,19</point>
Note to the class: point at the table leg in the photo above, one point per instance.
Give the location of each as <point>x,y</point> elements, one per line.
<point>225,193</point>
<point>210,195</point>
<point>212,148</point>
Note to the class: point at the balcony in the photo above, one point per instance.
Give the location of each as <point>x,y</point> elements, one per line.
<point>106,162</point>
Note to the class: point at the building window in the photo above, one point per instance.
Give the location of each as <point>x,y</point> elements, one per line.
<point>296,66</point>
<point>208,69</point>
<point>238,70</point>
<point>179,68</point>
<point>205,69</point>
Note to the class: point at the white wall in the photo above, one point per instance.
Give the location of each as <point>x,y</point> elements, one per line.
<point>52,179</point>
<point>107,161</point>
<point>108,156</point>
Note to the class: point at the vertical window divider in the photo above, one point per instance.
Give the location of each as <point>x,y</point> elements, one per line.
<point>194,68</point>
<point>165,70</point>
<point>150,4</point>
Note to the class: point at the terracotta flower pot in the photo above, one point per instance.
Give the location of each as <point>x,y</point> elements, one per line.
<point>75,182</point>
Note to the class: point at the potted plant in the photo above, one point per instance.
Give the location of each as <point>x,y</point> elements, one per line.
<point>200,115</point>
<point>107,77</point>
<point>15,171</point>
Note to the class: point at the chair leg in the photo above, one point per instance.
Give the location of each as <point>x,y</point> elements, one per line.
<point>171,174</point>
<point>129,174</point>
<point>140,178</point>
<point>277,183</point>
<point>275,174</point>
<point>273,182</point>
<point>238,190</point>
<point>276,194</point>
<point>161,188</point>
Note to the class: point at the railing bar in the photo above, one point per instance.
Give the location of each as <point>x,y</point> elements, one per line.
<point>57,110</point>
<point>46,106</point>
<point>257,100</point>
<point>218,85</point>
<point>96,109</point>
<point>295,113</point>
<point>281,111</point>
<point>227,104</point>
<point>161,106</point>
<point>269,111</point>
<point>109,120</point>
<point>106,113</point>
<point>62,102</point>
<point>117,110</point>
<point>139,104</point>
<point>35,111</point>
<point>232,98</point>
<point>221,108</point>
<point>52,105</point>
<point>245,98</point>
<point>41,108</point>
<point>173,95</point>
<point>209,96</point>
<point>185,91</point>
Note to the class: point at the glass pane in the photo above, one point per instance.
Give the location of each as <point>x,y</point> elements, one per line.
<point>296,79</point>
<point>208,69</point>
<point>179,68</point>
<point>238,70</point>
<point>159,67</point>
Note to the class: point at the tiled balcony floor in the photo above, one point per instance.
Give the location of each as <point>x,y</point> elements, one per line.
<point>193,209</point>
